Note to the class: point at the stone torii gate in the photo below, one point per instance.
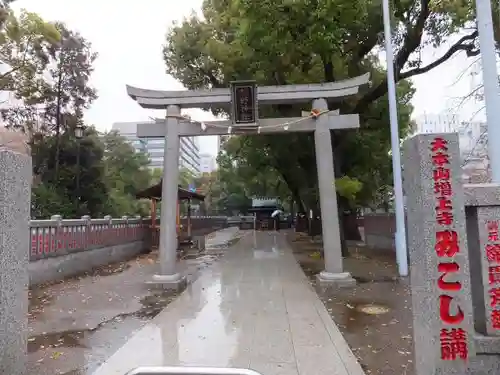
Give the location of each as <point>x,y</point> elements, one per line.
<point>244,98</point>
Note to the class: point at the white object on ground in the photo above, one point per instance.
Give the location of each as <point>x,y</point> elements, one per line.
<point>276,213</point>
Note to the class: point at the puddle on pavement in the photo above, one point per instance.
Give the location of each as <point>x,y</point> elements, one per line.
<point>226,245</point>
<point>375,315</point>
<point>154,303</point>
<point>204,258</point>
<point>74,372</point>
<point>373,309</point>
<point>68,339</point>
<point>101,338</point>
<point>109,270</point>
<point>38,299</point>
<point>354,315</point>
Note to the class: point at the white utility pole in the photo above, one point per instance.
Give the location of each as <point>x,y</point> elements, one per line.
<point>490,83</point>
<point>401,252</point>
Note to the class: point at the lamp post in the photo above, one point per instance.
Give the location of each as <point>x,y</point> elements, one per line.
<point>79,129</point>
<point>401,251</point>
<point>490,83</point>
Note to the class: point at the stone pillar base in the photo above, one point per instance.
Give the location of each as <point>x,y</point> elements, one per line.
<point>327,280</point>
<point>175,282</point>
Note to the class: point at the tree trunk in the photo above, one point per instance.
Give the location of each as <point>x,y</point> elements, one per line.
<point>351,230</point>
<point>295,192</point>
<point>343,244</point>
<point>58,120</point>
<point>341,202</point>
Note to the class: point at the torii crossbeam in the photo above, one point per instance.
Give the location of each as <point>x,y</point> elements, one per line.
<point>175,126</point>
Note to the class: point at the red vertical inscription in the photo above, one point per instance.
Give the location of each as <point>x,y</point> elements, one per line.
<point>453,339</point>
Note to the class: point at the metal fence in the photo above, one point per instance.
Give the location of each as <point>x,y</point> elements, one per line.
<point>56,237</point>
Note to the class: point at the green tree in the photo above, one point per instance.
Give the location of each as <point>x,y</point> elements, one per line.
<point>50,68</point>
<point>302,42</point>
<point>70,94</point>
<point>186,177</point>
<point>156,175</point>
<point>209,184</point>
<point>126,173</point>
<point>26,42</point>
<point>91,195</point>
<point>244,172</point>
<point>57,103</point>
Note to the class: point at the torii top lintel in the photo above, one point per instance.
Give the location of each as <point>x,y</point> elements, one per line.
<point>266,95</point>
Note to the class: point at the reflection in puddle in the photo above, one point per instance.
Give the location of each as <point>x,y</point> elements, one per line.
<point>52,350</point>
<point>212,321</point>
<point>372,309</point>
<point>153,304</point>
<point>68,339</point>
<point>272,253</point>
<point>74,372</point>
<point>359,314</point>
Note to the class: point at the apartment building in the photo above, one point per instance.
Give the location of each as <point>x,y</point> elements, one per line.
<point>154,147</point>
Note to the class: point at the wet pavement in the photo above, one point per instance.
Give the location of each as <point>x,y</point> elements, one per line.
<point>375,317</point>
<point>76,324</point>
<point>225,237</point>
<point>254,308</point>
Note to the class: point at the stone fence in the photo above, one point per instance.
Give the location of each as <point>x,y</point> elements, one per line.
<point>200,226</point>
<point>64,248</point>
<point>379,230</point>
<point>204,223</point>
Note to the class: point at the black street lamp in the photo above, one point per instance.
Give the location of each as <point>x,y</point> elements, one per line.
<point>78,135</point>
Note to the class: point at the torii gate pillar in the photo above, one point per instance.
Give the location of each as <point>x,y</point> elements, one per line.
<point>333,273</point>
<point>175,126</point>
<point>169,276</point>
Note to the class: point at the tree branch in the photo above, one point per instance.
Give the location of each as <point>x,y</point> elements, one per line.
<point>413,38</point>
<point>463,44</point>
<point>469,48</point>
<point>328,70</point>
<point>23,60</point>
<point>211,77</point>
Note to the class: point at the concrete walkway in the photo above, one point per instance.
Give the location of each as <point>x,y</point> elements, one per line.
<point>253,309</point>
<point>222,237</point>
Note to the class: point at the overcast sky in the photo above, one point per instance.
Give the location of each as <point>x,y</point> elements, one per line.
<point>128,35</point>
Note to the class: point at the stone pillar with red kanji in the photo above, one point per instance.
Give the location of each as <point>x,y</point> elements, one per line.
<point>482,203</point>
<point>439,266</point>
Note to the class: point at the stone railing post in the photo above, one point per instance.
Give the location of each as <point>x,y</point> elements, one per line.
<point>58,235</point>
<point>108,236</point>
<point>124,231</point>
<point>56,218</point>
<point>138,231</point>
<point>15,196</point>
<point>87,233</point>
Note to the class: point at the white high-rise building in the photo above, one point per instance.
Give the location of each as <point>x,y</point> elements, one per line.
<point>189,156</point>
<point>208,163</point>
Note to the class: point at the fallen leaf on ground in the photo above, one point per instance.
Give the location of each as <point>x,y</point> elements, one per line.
<point>56,355</point>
